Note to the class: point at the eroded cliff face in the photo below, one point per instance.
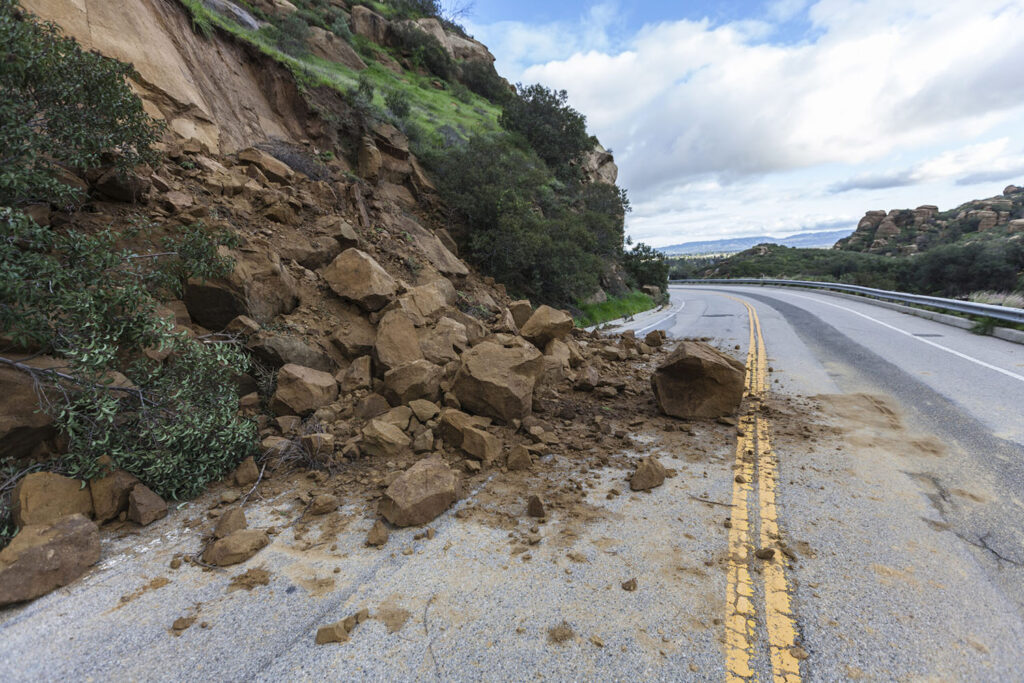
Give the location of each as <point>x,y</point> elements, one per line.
<point>216,91</point>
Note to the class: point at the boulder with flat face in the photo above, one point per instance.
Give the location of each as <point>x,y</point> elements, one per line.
<point>396,343</point>
<point>110,494</point>
<point>301,390</point>
<point>546,324</point>
<point>144,506</point>
<point>236,547</point>
<point>498,381</point>
<point>420,494</point>
<point>383,439</point>
<point>355,275</point>
<point>43,557</point>
<point>419,379</point>
<point>698,381</point>
<point>45,497</point>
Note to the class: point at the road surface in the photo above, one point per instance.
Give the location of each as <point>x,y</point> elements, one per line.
<point>880,455</point>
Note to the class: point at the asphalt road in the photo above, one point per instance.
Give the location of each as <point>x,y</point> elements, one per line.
<point>893,450</point>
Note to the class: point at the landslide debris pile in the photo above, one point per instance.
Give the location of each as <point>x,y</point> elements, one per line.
<point>375,348</point>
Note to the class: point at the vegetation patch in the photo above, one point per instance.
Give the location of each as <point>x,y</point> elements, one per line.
<point>614,308</point>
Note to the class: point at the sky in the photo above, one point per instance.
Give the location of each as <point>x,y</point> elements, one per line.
<point>741,118</point>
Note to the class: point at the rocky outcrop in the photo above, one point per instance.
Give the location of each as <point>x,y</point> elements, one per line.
<point>599,166</point>
<point>218,92</point>
<point>698,381</point>
<point>420,494</point>
<point>43,557</point>
<point>909,231</point>
<point>498,381</point>
<point>326,45</point>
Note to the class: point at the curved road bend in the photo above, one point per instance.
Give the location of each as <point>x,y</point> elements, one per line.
<point>917,523</point>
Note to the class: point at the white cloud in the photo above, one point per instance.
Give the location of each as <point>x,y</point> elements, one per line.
<point>913,86</point>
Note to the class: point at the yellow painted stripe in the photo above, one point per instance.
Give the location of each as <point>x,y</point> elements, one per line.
<point>782,631</point>
<point>740,611</point>
<point>755,459</point>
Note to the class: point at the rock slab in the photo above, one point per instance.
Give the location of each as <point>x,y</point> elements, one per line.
<point>43,557</point>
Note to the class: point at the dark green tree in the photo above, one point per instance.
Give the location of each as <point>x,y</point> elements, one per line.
<point>555,131</point>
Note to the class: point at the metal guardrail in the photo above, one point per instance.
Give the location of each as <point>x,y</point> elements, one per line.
<point>1013,315</point>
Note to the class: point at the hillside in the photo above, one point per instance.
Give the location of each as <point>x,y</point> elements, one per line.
<point>807,240</point>
<point>973,249</point>
<point>911,231</point>
<point>233,235</point>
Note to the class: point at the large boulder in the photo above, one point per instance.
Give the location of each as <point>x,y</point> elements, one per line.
<point>383,439</point>
<point>498,381</point>
<point>463,431</point>
<point>43,557</point>
<point>426,302</point>
<point>420,494</point>
<point>301,390</point>
<point>110,494</point>
<point>258,286</point>
<point>355,275</point>
<point>546,324</point>
<point>367,23</point>
<point>236,547</point>
<point>698,381</point>
<point>273,168</point>
<point>275,350</point>
<point>396,343</point>
<point>521,311</point>
<point>354,335</point>
<point>45,497</point>
<point>444,342</point>
<point>419,379</point>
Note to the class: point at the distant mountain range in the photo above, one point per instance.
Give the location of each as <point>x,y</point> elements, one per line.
<point>806,240</point>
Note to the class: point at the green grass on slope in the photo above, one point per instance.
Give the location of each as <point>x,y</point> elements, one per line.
<point>431,109</point>
<point>614,308</point>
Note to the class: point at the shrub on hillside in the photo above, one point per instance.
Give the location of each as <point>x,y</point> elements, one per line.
<point>537,235</point>
<point>556,131</point>
<point>483,79</point>
<point>645,265</point>
<point>423,50</point>
<point>398,103</point>
<point>89,299</point>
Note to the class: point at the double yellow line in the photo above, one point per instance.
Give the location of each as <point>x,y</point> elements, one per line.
<point>756,464</point>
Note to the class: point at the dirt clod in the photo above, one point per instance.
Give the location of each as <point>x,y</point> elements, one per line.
<point>560,633</point>
<point>764,553</point>
<point>629,585</point>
